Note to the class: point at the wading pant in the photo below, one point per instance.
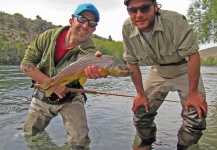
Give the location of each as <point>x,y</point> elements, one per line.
<point>156,89</point>
<point>73,114</point>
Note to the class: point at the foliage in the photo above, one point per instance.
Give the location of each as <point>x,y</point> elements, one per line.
<point>16,32</point>
<point>209,61</point>
<point>11,52</point>
<point>19,28</point>
<point>202,16</point>
<point>99,37</point>
<point>110,47</point>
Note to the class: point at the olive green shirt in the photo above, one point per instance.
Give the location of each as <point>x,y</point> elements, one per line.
<point>41,52</point>
<point>172,39</point>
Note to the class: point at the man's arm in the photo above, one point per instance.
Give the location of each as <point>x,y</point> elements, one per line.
<point>33,72</point>
<point>140,99</point>
<point>195,99</point>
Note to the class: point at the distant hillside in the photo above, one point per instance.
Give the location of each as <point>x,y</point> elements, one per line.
<point>16,32</point>
<point>208,52</point>
<point>18,28</point>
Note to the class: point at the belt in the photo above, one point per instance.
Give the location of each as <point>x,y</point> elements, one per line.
<point>53,99</point>
<point>183,61</point>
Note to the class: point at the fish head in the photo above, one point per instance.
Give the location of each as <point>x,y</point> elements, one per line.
<point>118,69</point>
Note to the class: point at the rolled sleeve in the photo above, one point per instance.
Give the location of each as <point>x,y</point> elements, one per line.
<point>128,55</point>
<point>130,59</point>
<point>184,36</point>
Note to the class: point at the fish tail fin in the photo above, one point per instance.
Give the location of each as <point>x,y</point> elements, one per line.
<point>47,84</point>
<point>50,90</point>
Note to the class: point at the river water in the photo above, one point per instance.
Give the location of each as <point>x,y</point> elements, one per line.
<point>109,117</point>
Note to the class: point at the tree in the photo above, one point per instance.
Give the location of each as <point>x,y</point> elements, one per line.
<point>110,38</point>
<point>202,15</point>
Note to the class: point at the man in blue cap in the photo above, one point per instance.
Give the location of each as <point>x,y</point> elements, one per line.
<point>52,50</point>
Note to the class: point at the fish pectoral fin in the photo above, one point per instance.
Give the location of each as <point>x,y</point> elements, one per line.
<point>116,73</point>
<point>104,71</point>
<point>83,80</point>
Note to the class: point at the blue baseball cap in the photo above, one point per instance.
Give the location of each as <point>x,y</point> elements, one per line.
<point>87,7</point>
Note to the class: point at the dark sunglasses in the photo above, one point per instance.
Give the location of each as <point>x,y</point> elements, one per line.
<point>82,19</point>
<point>143,9</point>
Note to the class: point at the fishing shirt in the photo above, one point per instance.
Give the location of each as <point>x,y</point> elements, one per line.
<point>41,52</point>
<point>171,40</point>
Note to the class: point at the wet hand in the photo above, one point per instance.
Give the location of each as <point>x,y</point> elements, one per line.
<point>198,102</point>
<point>140,101</point>
<point>93,73</point>
<point>61,91</point>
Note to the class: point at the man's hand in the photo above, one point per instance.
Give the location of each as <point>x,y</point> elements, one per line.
<point>140,101</point>
<point>198,102</point>
<point>92,72</point>
<point>61,91</point>
<point>195,99</point>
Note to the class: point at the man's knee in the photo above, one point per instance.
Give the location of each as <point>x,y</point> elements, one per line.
<point>192,127</point>
<point>188,137</point>
<point>147,133</point>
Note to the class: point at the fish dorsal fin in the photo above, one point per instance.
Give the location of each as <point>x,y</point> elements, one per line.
<point>59,70</point>
<point>80,57</point>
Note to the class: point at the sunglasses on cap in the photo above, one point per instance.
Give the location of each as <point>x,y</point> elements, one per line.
<point>82,19</point>
<point>143,9</point>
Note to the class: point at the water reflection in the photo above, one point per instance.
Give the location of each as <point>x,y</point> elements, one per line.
<point>209,139</point>
<point>41,141</point>
<point>109,117</point>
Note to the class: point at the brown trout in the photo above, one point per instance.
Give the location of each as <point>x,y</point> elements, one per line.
<point>109,65</point>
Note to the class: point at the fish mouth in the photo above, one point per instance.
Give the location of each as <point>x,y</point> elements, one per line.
<point>126,73</point>
<point>121,73</point>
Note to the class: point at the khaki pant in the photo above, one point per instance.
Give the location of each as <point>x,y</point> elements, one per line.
<point>156,88</point>
<point>73,115</point>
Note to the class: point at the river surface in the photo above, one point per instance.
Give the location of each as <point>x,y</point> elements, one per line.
<point>109,117</point>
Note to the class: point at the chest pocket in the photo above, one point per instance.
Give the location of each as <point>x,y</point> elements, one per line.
<point>164,47</point>
<point>143,52</point>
